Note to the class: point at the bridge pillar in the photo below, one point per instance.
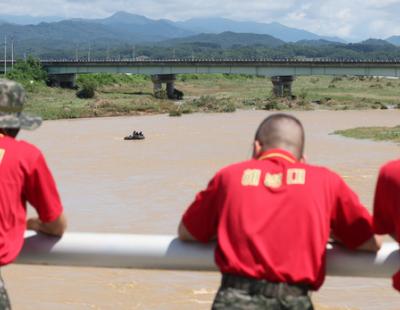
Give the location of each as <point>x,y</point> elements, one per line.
<point>157,86</point>
<point>282,85</point>
<point>170,89</point>
<point>169,80</point>
<point>62,80</point>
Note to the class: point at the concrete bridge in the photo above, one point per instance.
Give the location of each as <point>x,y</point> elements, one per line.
<point>281,71</point>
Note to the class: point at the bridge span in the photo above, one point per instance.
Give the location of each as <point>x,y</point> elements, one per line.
<point>281,71</point>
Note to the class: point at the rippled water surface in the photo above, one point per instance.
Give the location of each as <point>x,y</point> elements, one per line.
<point>111,185</point>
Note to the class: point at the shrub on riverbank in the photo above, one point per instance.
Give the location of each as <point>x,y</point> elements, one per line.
<point>87,89</point>
<point>217,76</point>
<point>213,104</point>
<point>108,79</point>
<point>373,133</point>
<point>29,73</point>
<point>175,113</point>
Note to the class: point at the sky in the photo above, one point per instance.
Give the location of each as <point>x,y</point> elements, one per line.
<point>353,20</point>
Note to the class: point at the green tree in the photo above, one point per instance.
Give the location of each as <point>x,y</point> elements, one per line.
<point>27,71</point>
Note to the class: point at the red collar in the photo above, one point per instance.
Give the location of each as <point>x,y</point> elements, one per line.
<point>278,153</point>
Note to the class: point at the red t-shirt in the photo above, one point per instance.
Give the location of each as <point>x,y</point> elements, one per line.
<point>24,177</point>
<point>387,205</point>
<point>273,216</point>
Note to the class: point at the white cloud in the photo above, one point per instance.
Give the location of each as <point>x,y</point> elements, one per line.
<point>380,3</point>
<point>356,19</point>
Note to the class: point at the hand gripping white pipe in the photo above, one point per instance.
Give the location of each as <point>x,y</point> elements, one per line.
<point>167,252</point>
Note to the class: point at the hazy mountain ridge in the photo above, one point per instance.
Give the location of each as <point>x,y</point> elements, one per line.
<point>228,39</point>
<point>149,30</point>
<point>279,31</point>
<point>124,34</point>
<point>394,40</point>
<point>28,20</point>
<point>137,28</point>
<point>318,43</point>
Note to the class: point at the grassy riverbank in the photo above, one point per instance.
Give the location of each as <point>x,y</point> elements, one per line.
<point>132,95</point>
<point>373,133</point>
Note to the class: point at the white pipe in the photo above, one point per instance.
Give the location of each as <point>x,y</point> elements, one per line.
<point>167,252</point>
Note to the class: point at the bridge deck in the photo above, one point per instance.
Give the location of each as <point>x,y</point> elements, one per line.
<point>260,67</point>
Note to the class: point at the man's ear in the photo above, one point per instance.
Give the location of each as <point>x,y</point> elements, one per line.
<point>257,149</point>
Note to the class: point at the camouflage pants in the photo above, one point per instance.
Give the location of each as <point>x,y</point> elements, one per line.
<point>4,301</point>
<point>257,295</point>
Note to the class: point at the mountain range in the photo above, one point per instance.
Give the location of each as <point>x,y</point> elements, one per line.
<point>136,28</point>
<point>227,39</point>
<point>279,31</point>
<point>52,37</point>
<point>28,20</point>
<point>394,40</point>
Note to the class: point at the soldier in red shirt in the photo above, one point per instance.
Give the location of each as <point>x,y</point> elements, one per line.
<point>24,178</point>
<point>387,205</point>
<point>272,217</point>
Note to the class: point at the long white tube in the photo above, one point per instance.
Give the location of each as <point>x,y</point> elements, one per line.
<point>167,252</point>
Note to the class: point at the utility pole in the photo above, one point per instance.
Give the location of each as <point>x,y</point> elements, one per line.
<point>12,53</point>
<point>5,55</point>
<point>108,52</point>
<point>89,52</point>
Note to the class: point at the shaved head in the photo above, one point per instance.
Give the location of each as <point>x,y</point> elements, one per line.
<point>281,131</point>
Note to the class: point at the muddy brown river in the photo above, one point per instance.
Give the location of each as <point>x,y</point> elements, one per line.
<point>142,187</point>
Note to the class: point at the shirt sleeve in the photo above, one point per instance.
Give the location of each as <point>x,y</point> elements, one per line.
<point>41,191</point>
<point>202,216</point>
<point>351,222</point>
<point>383,206</point>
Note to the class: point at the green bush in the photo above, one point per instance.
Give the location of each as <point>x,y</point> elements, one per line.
<point>226,106</point>
<point>87,89</point>
<point>186,110</point>
<point>161,94</point>
<point>204,101</point>
<point>213,104</point>
<point>303,94</point>
<point>186,77</point>
<point>29,73</point>
<point>106,79</point>
<point>249,102</point>
<point>175,112</point>
<point>336,79</point>
<point>271,105</point>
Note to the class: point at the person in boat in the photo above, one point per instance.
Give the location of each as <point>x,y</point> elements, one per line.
<point>135,136</point>
<point>272,217</point>
<point>25,177</point>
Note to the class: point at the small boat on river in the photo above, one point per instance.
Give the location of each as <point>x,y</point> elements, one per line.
<point>135,136</point>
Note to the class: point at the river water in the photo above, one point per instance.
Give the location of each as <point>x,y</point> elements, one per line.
<point>142,187</point>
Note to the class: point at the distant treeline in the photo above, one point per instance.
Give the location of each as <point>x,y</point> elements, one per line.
<point>360,51</point>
